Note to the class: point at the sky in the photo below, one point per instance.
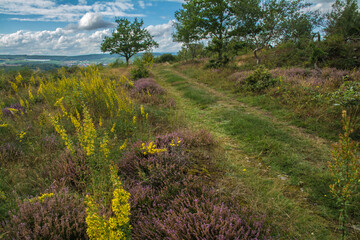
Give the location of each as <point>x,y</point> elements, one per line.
<point>77,27</point>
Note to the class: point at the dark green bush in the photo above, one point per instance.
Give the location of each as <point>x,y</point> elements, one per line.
<point>259,80</point>
<point>167,57</point>
<point>142,66</point>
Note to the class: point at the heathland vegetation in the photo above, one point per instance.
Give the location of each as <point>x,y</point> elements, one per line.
<point>253,135</point>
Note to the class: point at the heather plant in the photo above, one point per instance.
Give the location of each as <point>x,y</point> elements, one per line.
<point>148,86</point>
<point>58,214</point>
<point>72,169</point>
<point>205,216</point>
<point>169,199</point>
<point>344,169</point>
<point>13,110</point>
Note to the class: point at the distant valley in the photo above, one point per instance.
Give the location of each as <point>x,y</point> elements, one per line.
<point>46,62</point>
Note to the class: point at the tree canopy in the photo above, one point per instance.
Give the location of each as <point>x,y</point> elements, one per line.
<point>261,23</point>
<point>128,39</point>
<point>344,19</point>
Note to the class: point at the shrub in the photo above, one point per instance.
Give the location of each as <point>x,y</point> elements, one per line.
<point>348,95</point>
<point>72,169</point>
<point>198,213</point>
<point>142,66</point>
<point>259,80</point>
<point>57,215</point>
<point>217,63</point>
<point>344,169</point>
<point>118,63</point>
<point>167,57</point>
<point>205,217</point>
<point>148,85</point>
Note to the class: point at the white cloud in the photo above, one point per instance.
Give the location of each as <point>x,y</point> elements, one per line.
<point>142,4</point>
<point>58,42</point>
<point>65,41</point>
<point>50,11</point>
<point>321,5</point>
<point>91,21</point>
<point>162,34</point>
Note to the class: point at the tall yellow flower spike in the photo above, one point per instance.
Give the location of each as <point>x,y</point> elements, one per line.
<point>113,228</point>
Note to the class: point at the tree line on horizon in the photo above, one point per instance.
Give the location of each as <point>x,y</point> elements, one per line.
<point>223,29</point>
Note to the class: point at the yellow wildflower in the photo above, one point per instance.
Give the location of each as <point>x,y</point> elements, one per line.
<point>21,135</point>
<point>123,146</point>
<point>151,149</point>
<point>14,86</point>
<point>19,79</point>
<point>142,111</point>
<point>113,128</point>
<point>31,97</point>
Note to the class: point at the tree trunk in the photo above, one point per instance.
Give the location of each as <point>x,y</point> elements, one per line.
<point>317,68</point>
<point>127,61</point>
<point>256,56</point>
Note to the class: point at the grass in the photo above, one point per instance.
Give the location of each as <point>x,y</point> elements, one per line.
<point>197,95</point>
<point>312,124</point>
<point>304,163</point>
<point>268,168</point>
<point>294,103</point>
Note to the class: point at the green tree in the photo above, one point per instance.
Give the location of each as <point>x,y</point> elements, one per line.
<point>187,30</point>
<point>265,23</point>
<point>128,39</point>
<point>344,19</point>
<point>205,19</point>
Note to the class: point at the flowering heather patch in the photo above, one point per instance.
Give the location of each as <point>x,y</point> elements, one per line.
<point>14,109</point>
<point>239,76</point>
<point>148,85</point>
<point>59,215</point>
<point>169,202</point>
<point>72,169</point>
<point>206,217</point>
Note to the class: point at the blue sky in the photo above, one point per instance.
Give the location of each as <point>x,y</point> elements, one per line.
<point>74,27</point>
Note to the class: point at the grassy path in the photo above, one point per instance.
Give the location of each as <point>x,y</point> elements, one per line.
<point>274,168</point>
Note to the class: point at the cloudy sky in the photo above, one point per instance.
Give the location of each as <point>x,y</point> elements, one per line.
<point>75,27</point>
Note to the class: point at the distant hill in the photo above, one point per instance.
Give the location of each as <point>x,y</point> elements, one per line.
<point>48,62</point>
